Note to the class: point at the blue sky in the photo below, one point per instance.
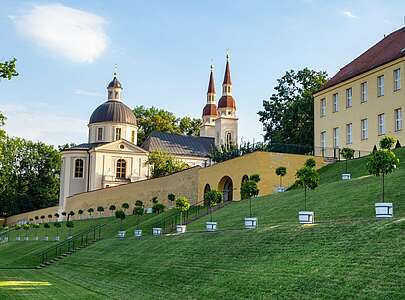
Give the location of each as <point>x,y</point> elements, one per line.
<point>67,50</point>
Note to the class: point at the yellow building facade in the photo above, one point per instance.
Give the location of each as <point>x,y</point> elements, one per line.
<point>364,101</point>
<point>192,183</point>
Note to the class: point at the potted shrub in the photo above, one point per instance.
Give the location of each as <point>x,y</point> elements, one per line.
<point>112,208</point>
<point>347,154</point>
<point>42,219</point>
<point>125,206</point>
<point>17,228</point>
<point>138,211</point>
<point>308,178</point>
<point>248,190</point>
<point>49,218</point>
<point>26,227</point>
<point>171,197</point>
<point>183,205</point>
<point>64,214</point>
<point>80,213</point>
<point>56,215</point>
<point>90,211</point>
<point>70,225</point>
<point>71,214</point>
<point>281,172</point>
<point>380,163</point>
<point>46,226</point>
<point>36,219</point>
<point>57,226</point>
<point>212,198</point>
<point>120,214</point>
<point>36,227</point>
<point>100,210</point>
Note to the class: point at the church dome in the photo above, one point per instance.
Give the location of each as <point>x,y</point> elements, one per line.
<point>210,110</point>
<point>113,111</point>
<point>227,101</point>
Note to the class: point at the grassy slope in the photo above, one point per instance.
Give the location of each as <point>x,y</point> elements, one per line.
<point>347,255</point>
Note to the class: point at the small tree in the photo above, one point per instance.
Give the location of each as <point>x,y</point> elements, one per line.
<point>171,197</point>
<point>112,208</point>
<point>119,214</point>
<point>36,227</point>
<point>26,227</point>
<point>64,214</point>
<point>56,215</point>
<point>249,189</point>
<point>281,171</point>
<point>347,154</point>
<point>307,177</point>
<point>383,162</point>
<point>70,225</point>
<point>90,211</point>
<point>71,214</point>
<point>47,226</point>
<point>49,217</point>
<point>125,206</point>
<point>138,211</point>
<point>36,218</point>
<point>310,162</point>
<point>100,210</point>
<point>42,218</point>
<point>212,198</point>
<point>183,205</point>
<point>80,213</point>
<point>57,226</point>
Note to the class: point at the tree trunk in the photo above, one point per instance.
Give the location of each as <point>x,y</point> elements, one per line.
<point>211,213</point>
<point>383,188</point>
<point>250,206</point>
<point>305,196</point>
<point>346,165</point>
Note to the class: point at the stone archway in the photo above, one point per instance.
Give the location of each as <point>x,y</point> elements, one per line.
<point>225,186</point>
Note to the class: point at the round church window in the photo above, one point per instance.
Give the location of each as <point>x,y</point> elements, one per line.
<point>121,146</point>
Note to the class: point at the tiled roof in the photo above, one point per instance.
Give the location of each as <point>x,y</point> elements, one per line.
<point>211,84</point>
<point>388,49</point>
<point>226,101</point>
<point>113,111</point>
<point>177,144</point>
<point>227,75</point>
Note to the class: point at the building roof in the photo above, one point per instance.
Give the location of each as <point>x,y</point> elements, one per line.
<point>388,49</point>
<point>113,111</point>
<point>177,144</point>
<point>115,83</point>
<point>227,101</point>
<point>210,109</point>
<point>227,75</point>
<point>211,84</point>
<point>84,146</point>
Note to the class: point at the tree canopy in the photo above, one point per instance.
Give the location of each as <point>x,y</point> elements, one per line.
<point>8,69</point>
<point>163,164</point>
<point>155,119</point>
<point>288,116</point>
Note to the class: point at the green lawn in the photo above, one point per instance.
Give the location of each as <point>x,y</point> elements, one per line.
<point>347,255</point>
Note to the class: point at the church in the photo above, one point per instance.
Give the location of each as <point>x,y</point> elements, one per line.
<point>112,157</point>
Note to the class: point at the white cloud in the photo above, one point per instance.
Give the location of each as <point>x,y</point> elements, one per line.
<point>41,123</point>
<point>349,14</point>
<point>87,93</point>
<point>72,33</point>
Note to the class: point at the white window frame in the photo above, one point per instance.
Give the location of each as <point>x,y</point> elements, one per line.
<point>398,119</point>
<point>323,107</point>
<point>381,124</point>
<point>363,92</point>
<point>335,98</point>
<point>397,79</point>
<point>336,134</point>
<point>118,129</point>
<point>380,85</point>
<point>364,129</point>
<point>349,133</point>
<point>349,97</point>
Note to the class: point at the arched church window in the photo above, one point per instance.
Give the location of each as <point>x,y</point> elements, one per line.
<point>121,168</point>
<point>79,168</point>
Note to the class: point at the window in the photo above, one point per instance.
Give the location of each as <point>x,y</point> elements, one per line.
<point>323,142</point>
<point>228,139</point>
<point>397,79</point>
<point>79,168</point>
<point>349,97</point>
<point>380,86</point>
<point>99,134</point>
<point>349,133</point>
<point>323,107</point>
<point>364,129</point>
<point>398,119</point>
<point>336,137</point>
<point>133,136</point>
<point>363,92</point>
<point>115,95</point>
<point>335,98</point>
<point>381,125</point>
<point>117,133</point>
<point>121,168</point>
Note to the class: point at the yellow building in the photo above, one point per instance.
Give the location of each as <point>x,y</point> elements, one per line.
<point>364,101</point>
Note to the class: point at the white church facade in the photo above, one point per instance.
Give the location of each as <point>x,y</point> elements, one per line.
<point>112,157</point>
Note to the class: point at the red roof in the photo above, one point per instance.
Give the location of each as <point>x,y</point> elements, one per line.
<point>227,101</point>
<point>227,76</point>
<point>388,49</point>
<point>211,84</point>
<point>210,110</point>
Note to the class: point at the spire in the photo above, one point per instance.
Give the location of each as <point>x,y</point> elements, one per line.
<point>227,76</point>
<point>211,84</point>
